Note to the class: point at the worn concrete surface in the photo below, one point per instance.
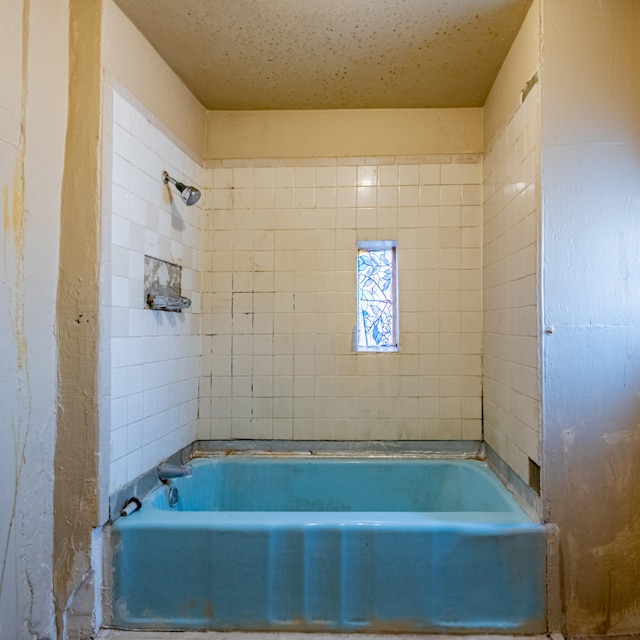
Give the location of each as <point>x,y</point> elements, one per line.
<point>591,350</point>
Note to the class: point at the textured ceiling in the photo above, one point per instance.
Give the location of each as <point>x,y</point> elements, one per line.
<point>332,54</point>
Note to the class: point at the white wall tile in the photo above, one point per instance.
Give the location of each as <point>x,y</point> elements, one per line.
<point>283,366</point>
<point>510,223</point>
<point>154,362</point>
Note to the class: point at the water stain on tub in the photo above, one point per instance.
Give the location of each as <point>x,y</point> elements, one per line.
<point>189,609</point>
<point>208,610</point>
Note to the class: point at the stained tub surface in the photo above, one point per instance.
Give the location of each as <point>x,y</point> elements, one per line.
<point>330,544</point>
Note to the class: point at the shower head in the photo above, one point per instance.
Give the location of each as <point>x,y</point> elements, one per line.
<point>189,195</point>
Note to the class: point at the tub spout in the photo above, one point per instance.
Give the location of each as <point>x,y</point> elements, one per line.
<point>167,471</point>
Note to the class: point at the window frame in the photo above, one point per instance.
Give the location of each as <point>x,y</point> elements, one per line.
<point>370,246</point>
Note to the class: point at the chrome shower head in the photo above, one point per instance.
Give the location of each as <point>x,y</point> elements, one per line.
<point>189,195</point>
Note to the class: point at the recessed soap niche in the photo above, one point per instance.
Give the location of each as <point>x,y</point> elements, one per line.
<point>163,286</point>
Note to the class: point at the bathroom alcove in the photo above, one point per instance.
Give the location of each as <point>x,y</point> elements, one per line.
<point>515,435</point>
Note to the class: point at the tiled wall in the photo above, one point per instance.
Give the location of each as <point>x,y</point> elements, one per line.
<point>278,303</point>
<point>510,256</point>
<point>154,355</point>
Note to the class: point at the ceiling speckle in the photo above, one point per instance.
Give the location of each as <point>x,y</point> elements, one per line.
<point>332,54</point>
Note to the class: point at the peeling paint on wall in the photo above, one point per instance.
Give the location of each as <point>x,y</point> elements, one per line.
<point>13,264</point>
<point>34,50</point>
<point>13,222</point>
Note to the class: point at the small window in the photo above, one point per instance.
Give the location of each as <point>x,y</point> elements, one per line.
<point>377,322</point>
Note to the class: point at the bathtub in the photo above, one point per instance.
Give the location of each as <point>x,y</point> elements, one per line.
<point>330,544</point>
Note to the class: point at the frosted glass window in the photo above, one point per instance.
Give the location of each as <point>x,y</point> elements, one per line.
<point>377,274</point>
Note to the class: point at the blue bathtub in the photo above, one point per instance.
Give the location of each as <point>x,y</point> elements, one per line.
<point>331,544</point>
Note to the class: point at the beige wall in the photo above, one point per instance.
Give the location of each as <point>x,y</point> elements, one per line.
<point>521,63</point>
<point>591,358</point>
<point>342,133</point>
<point>131,62</point>
<point>33,112</point>
<point>510,256</point>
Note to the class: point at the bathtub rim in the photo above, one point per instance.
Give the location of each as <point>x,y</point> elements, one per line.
<point>155,508</point>
<point>145,483</point>
<point>526,498</point>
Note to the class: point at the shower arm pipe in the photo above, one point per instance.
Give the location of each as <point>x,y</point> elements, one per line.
<point>167,178</point>
<point>189,195</point>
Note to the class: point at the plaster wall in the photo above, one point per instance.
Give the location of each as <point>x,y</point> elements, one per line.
<point>591,360</point>
<point>33,110</point>
<point>79,501</point>
<point>521,63</point>
<point>132,63</point>
<point>279,299</point>
<point>511,185</point>
<point>342,133</point>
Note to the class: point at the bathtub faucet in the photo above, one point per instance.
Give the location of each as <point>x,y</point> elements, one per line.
<point>167,471</point>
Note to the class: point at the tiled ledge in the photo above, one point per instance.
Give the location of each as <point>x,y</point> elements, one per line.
<point>112,634</point>
<point>529,500</point>
<point>406,448</point>
<point>446,158</point>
